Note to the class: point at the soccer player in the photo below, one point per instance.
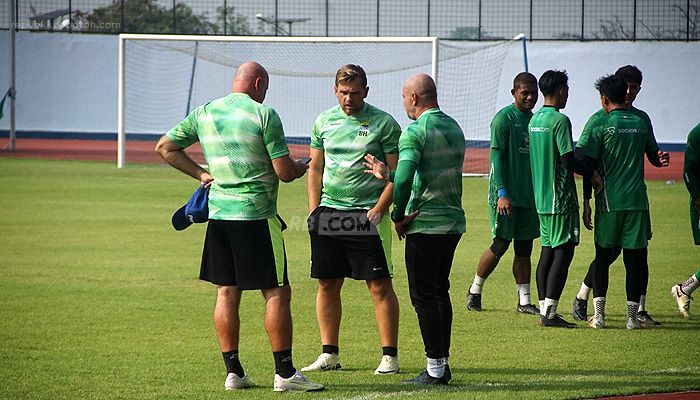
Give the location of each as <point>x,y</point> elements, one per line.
<point>511,201</point>
<point>245,149</point>
<point>552,162</point>
<point>338,188</point>
<point>633,76</point>
<point>618,145</point>
<point>428,213</point>
<point>691,175</point>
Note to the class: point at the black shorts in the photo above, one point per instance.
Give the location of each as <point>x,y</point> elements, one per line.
<point>246,254</point>
<point>345,245</point>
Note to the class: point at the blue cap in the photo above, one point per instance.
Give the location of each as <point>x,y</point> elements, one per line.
<point>196,210</point>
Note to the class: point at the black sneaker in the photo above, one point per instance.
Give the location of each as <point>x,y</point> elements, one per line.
<point>448,373</point>
<point>425,379</point>
<point>556,322</point>
<point>645,319</point>
<point>528,309</point>
<point>580,309</point>
<point>473,301</point>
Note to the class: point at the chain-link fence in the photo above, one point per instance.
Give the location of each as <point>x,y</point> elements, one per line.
<point>447,19</point>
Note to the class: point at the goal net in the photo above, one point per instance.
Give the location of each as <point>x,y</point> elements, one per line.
<point>163,78</point>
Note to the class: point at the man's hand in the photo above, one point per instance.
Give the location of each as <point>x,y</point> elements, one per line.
<point>374,215</point>
<point>587,214</point>
<point>503,206</point>
<point>597,182</point>
<point>206,179</point>
<point>300,166</point>
<point>402,226</point>
<point>664,158</point>
<point>376,167</point>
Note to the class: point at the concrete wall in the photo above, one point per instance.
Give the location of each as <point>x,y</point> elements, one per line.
<point>68,83</point>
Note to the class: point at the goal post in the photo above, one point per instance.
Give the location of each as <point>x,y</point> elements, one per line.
<point>163,77</point>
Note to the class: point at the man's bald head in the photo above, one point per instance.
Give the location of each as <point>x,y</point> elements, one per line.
<point>419,94</point>
<point>252,79</point>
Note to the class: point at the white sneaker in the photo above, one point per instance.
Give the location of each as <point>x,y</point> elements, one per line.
<point>297,382</point>
<point>633,323</point>
<point>388,365</point>
<point>234,382</point>
<point>682,299</point>
<point>324,362</point>
<point>597,321</point>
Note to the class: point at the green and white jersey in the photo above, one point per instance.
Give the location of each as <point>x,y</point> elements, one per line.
<point>600,116</point>
<point>509,134</point>
<point>553,184</point>
<point>619,143</point>
<point>435,142</point>
<point>239,138</point>
<point>345,140</point>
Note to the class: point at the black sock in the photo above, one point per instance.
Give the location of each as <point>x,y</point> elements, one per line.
<point>233,364</point>
<point>283,363</point>
<point>389,351</point>
<point>327,348</point>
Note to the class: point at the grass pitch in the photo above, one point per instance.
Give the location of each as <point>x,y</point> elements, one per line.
<point>99,299</point>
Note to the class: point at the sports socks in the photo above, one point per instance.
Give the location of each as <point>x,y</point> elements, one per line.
<point>632,309</point>
<point>436,367</point>
<point>389,351</point>
<point>584,292</point>
<point>477,285</point>
<point>233,364</point>
<point>691,284</point>
<point>329,349</point>
<point>599,304</point>
<point>523,293</point>
<point>283,363</point>
<point>642,302</point>
<point>550,308</point>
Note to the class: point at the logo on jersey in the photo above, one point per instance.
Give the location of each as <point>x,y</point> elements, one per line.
<point>364,129</point>
<point>525,146</point>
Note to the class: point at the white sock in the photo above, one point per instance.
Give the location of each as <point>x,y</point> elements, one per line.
<point>523,293</point>
<point>599,304</point>
<point>642,302</point>
<point>632,308</point>
<point>690,285</point>
<point>542,310</point>
<point>436,367</point>
<point>584,292</point>
<point>550,306</point>
<point>476,285</point>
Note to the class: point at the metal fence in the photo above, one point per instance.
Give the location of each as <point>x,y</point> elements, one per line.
<point>447,19</point>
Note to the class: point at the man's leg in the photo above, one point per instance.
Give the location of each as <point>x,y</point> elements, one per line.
<point>634,260</point>
<point>487,264</point>
<point>329,310</point>
<point>543,267</point>
<point>601,280</point>
<point>556,280</point>
<point>522,269</point>
<point>227,323</point>
<point>386,311</point>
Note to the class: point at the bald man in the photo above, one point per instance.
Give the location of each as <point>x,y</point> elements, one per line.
<point>429,173</point>
<point>246,153</point>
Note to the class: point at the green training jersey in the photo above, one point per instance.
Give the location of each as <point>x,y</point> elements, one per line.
<point>692,149</point>
<point>600,116</point>
<point>239,138</point>
<point>553,184</point>
<point>619,143</point>
<point>345,140</point>
<point>509,135</point>
<point>435,142</point>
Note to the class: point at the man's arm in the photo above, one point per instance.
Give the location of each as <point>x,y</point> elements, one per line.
<point>287,169</point>
<point>497,176</point>
<point>314,182</point>
<point>176,156</point>
<point>658,158</point>
<point>377,212</point>
<point>692,180</point>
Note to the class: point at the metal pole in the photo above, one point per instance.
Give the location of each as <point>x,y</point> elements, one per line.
<point>377,18</point>
<point>687,21</point>
<point>174,16</point>
<point>194,67</point>
<point>225,15</point>
<point>70,16</point>
<point>524,40</point>
<point>529,34</point>
<point>634,21</point>
<point>13,93</point>
<point>583,19</point>
<point>428,30</point>
<point>277,28</point>
<point>327,18</point>
<point>479,33</point>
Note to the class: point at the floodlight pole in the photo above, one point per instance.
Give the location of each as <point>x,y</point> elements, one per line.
<point>523,38</point>
<point>13,134</point>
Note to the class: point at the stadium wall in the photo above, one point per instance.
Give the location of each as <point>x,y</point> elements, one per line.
<point>67,84</point>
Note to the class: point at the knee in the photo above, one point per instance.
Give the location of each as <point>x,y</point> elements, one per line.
<point>522,248</point>
<point>381,288</point>
<point>230,295</point>
<point>499,246</point>
<point>330,287</point>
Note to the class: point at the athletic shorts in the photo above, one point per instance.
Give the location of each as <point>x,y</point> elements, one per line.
<point>694,223</point>
<point>627,229</point>
<point>246,254</point>
<point>522,224</point>
<point>557,229</point>
<point>344,244</point>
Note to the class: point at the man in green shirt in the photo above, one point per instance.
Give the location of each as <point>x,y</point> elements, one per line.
<point>691,175</point>
<point>633,77</point>
<point>428,213</point>
<point>511,201</point>
<point>552,164</point>
<point>350,231</point>
<point>617,146</point>
<point>246,153</point>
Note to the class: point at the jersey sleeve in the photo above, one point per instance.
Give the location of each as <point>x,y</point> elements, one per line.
<point>390,136</point>
<point>692,149</point>
<point>411,145</point>
<point>273,134</point>
<point>651,145</point>
<point>562,136</point>
<point>184,134</point>
<point>593,145</point>
<point>499,133</point>
<point>316,140</point>
<point>590,124</point>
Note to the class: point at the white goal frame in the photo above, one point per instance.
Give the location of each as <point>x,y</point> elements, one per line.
<point>121,134</point>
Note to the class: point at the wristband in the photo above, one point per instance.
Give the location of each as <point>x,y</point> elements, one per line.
<point>502,193</point>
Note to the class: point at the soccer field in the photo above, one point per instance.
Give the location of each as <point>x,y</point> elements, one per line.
<point>99,299</point>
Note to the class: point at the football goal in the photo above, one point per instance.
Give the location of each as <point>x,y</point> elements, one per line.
<point>164,77</point>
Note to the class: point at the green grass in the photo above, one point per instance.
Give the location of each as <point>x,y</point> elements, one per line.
<point>99,299</point>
